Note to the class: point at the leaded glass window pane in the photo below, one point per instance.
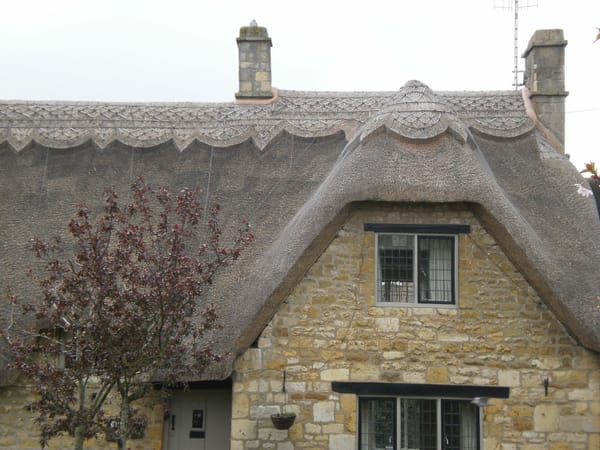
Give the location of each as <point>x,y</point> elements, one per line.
<point>377,423</point>
<point>418,424</point>
<point>415,268</point>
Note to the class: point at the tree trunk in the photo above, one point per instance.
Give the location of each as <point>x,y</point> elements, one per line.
<point>80,429</point>
<point>78,441</point>
<point>123,423</point>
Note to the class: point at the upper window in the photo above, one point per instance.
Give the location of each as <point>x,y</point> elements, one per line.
<point>416,263</point>
<point>415,268</point>
<point>392,423</point>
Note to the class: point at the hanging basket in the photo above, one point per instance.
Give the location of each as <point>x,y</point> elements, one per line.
<point>283,421</point>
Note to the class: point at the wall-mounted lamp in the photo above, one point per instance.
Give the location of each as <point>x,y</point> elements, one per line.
<point>482,402</point>
<point>546,385</point>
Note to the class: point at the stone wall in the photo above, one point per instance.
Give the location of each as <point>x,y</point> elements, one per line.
<point>18,430</point>
<point>501,334</point>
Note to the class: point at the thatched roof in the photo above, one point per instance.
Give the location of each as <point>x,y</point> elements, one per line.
<point>296,166</point>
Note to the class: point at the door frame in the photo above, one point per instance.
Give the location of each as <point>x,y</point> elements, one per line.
<point>195,386</point>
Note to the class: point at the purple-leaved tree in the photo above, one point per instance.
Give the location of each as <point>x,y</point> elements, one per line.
<point>593,180</point>
<point>120,307</point>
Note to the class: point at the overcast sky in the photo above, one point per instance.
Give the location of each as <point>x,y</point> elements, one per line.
<point>184,50</point>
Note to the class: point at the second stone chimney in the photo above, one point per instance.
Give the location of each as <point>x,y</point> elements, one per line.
<point>254,46</point>
<point>545,79</point>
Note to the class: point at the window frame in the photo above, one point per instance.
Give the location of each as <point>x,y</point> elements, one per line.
<point>416,279</point>
<point>397,417</point>
<point>419,230</point>
<point>378,389</point>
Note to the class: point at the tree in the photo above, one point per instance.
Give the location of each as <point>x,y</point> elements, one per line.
<point>593,180</point>
<point>120,308</point>
<point>591,169</point>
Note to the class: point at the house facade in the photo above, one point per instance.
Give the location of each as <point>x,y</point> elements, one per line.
<point>344,353</point>
<point>424,274</point>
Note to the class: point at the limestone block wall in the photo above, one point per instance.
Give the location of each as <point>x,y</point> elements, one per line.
<point>18,430</point>
<point>501,334</point>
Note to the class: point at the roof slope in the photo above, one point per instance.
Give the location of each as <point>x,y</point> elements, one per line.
<point>295,167</point>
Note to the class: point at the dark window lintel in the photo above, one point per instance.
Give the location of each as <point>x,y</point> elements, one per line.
<point>418,228</point>
<point>193,385</point>
<point>419,390</point>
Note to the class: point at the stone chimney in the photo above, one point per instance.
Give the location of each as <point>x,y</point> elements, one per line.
<point>254,46</point>
<point>545,79</point>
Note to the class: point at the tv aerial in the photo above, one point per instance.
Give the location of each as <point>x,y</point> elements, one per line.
<point>516,5</point>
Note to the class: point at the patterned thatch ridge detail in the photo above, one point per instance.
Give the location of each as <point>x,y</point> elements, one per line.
<point>414,112</point>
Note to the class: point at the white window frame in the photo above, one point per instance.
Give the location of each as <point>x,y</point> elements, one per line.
<point>416,302</point>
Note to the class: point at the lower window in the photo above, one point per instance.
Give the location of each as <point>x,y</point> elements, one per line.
<point>391,423</point>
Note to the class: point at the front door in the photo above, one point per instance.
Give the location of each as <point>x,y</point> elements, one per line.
<point>199,420</point>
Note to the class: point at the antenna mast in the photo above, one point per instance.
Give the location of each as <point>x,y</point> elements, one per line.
<point>515,5</point>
